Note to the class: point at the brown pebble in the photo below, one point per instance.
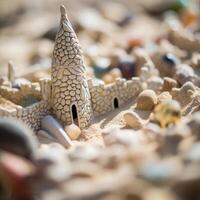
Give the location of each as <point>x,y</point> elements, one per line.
<point>146,100</point>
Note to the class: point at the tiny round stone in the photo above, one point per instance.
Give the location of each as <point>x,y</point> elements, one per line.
<point>73,131</point>
<point>132,120</point>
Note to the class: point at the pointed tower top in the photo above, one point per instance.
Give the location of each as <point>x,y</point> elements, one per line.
<point>63,13</point>
<point>67,49</point>
<point>62,10</point>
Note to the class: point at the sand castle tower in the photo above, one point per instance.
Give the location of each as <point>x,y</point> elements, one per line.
<point>70,100</point>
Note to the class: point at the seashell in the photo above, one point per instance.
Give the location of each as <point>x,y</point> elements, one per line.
<point>52,126</point>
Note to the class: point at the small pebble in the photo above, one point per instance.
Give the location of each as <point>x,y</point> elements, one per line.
<point>146,100</point>
<point>73,131</point>
<point>133,120</point>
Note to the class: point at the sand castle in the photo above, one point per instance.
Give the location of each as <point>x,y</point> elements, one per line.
<point>68,95</point>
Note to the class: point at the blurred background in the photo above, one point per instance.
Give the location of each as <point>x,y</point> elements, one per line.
<point>28,28</point>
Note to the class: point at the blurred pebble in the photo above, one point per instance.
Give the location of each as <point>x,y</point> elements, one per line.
<point>194,124</point>
<point>193,154</point>
<point>108,78</point>
<point>168,84</point>
<point>101,66</point>
<point>158,171</point>
<point>165,63</point>
<point>146,100</point>
<point>155,83</point>
<point>135,42</point>
<point>187,186</point>
<point>128,67</point>
<point>85,152</point>
<point>15,137</point>
<point>173,137</point>
<point>188,17</point>
<point>195,61</point>
<point>115,73</point>
<point>73,131</point>
<point>167,112</point>
<point>170,58</point>
<point>17,173</point>
<point>184,73</point>
<point>126,137</point>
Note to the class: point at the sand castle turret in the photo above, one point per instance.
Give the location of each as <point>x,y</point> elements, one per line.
<point>70,100</point>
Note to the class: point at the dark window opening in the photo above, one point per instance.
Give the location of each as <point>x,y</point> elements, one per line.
<point>116,103</point>
<point>74,114</point>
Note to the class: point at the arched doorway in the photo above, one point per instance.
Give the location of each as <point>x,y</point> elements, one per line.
<point>74,114</point>
<point>115,103</point>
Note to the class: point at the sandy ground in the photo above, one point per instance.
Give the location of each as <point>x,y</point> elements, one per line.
<point>93,135</point>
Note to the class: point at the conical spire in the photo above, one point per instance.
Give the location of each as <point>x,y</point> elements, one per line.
<point>70,96</point>
<point>67,50</point>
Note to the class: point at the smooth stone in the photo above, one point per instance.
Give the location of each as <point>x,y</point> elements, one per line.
<point>133,120</point>
<point>158,171</point>
<point>16,138</point>
<point>193,154</point>
<point>126,137</point>
<point>194,124</point>
<point>52,126</point>
<point>73,131</point>
<point>146,100</point>
<point>185,73</point>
